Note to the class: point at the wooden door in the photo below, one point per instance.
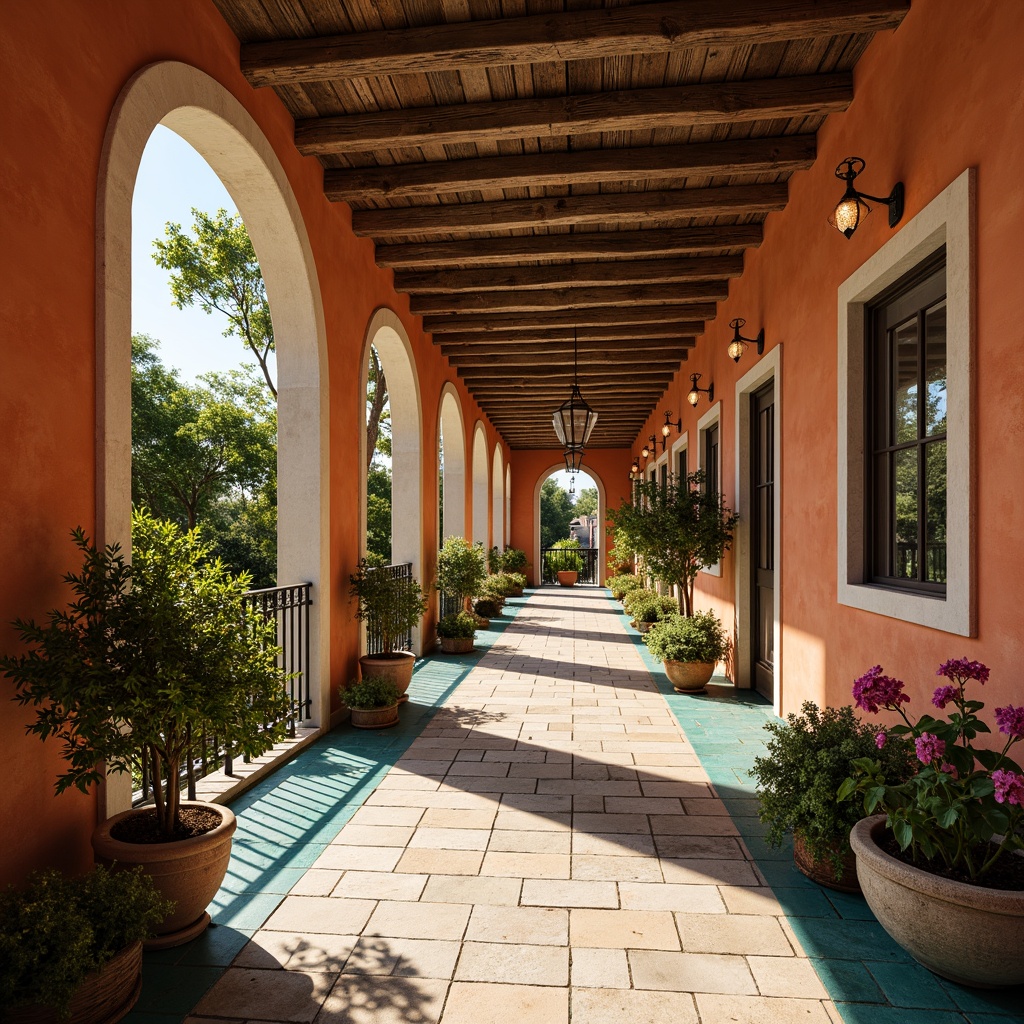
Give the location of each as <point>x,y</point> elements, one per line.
<point>762,533</point>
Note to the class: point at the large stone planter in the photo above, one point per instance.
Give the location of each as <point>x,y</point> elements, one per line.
<point>188,871</point>
<point>395,667</point>
<point>822,871</point>
<point>456,644</point>
<point>567,577</point>
<point>967,933</point>
<point>105,996</point>
<point>689,676</point>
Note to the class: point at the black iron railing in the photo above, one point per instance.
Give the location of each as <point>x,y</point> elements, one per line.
<point>289,607</point>
<point>583,560</point>
<point>374,629</point>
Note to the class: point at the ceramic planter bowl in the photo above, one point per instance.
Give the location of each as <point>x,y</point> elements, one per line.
<point>374,718</point>
<point>395,667</point>
<point>967,933</point>
<point>567,578</point>
<point>188,871</point>
<point>689,676</point>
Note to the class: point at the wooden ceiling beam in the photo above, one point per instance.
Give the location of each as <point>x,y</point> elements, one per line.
<point>555,275</point>
<point>569,298</point>
<point>780,154</point>
<point>538,344</point>
<point>601,317</point>
<point>557,116</point>
<point>625,357</point>
<point>569,35</point>
<point>608,209</point>
<point>562,248</point>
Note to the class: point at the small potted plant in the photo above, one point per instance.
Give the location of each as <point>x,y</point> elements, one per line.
<point>460,570</point>
<point>518,583</point>
<point>938,860</point>
<point>391,605</point>
<point>809,757</point>
<point>373,703</point>
<point>653,609</point>
<point>565,561</point>
<point>690,647</point>
<point>636,596</point>
<point>148,658</point>
<point>622,584</point>
<point>456,633</point>
<point>514,561</point>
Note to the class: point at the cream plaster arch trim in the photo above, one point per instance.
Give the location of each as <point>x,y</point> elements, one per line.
<point>497,497</point>
<point>481,485</point>
<point>206,115</point>
<point>508,503</point>
<point>386,332</point>
<point>452,427</point>
<point>602,524</point>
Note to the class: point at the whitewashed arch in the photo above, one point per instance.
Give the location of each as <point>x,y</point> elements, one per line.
<point>480,485</point>
<point>453,485</point>
<point>601,516</point>
<point>387,334</point>
<point>211,120</point>
<point>497,497</point>
<point>508,504</point>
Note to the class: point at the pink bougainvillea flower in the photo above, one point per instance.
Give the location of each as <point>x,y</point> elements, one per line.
<point>949,769</point>
<point>929,748</point>
<point>1011,721</point>
<point>880,739</point>
<point>962,669</point>
<point>873,691</point>
<point>1009,787</point>
<point>944,694</point>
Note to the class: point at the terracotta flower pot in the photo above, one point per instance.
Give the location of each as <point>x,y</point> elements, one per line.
<point>643,627</point>
<point>105,996</point>
<point>188,871</point>
<point>689,676</point>
<point>967,933</point>
<point>374,718</point>
<point>822,871</point>
<point>456,644</point>
<point>567,577</point>
<point>395,667</point>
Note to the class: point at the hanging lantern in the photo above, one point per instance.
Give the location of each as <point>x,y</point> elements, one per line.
<point>574,420</point>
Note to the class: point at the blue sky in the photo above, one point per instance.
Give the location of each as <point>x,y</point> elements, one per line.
<point>172,179</point>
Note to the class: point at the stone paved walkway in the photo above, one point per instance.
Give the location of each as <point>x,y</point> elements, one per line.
<point>548,848</point>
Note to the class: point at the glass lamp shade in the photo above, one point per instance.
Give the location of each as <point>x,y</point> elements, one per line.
<point>645,452</point>
<point>849,212</point>
<point>574,421</point>
<point>735,351</point>
<point>573,460</point>
<point>666,430</point>
<point>693,396</point>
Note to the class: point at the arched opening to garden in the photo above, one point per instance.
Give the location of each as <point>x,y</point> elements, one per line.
<point>480,486</point>
<point>498,527</point>
<point>508,504</point>
<point>569,515</point>
<point>451,451</point>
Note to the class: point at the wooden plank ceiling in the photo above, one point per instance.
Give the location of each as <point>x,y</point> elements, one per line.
<point>535,168</point>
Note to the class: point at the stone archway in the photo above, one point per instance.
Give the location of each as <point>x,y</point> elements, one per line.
<point>601,517</point>
<point>452,429</point>
<point>497,498</point>
<point>480,485</point>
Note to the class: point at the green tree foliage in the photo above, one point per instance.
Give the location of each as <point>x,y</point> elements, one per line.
<point>460,569</point>
<point>586,502</point>
<point>214,265</point>
<point>378,513</point>
<point>556,513</point>
<point>378,411</point>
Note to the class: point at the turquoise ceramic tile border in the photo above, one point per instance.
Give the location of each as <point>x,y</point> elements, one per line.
<point>284,824</point>
<point>870,978</point>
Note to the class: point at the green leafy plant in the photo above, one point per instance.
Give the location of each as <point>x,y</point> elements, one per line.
<point>514,560</point>
<point>676,528</point>
<point>148,656</point>
<point>460,569</point>
<point>494,588</point>
<point>518,578</point>
<point>368,694</point>
<point>622,584</point>
<point>503,583</point>
<point>654,608</point>
<point>961,796</point>
<point>56,930</point>
<point>564,556</point>
<point>389,604</point>
<point>458,626</point>
<point>636,596</point>
<point>808,758</point>
<point>487,608</point>
<point>691,638</point>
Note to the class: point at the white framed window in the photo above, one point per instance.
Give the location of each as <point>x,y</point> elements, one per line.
<point>870,577</point>
<point>679,457</point>
<point>709,459</point>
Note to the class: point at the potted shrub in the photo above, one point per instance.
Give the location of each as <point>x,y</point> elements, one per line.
<point>690,646</point>
<point>456,633</point>
<point>676,528</point>
<point>518,583</point>
<point>940,865</point>
<point>622,584</point>
<point>460,570</point>
<point>514,561</point>
<point>565,561</point>
<point>148,657</point>
<point>373,703</point>
<point>391,605</point>
<point>636,596</point>
<point>71,948</point>
<point>653,609</point>
<point>809,757</point>
<point>485,609</point>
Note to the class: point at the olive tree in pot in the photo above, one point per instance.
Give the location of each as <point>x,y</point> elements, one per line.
<point>690,646</point>
<point>941,865</point>
<point>461,570</point>
<point>676,528</point>
<point>808,758</point>
<point>147,660</point>
<point>390,605</point>
<point>456,633</point>
<point>71,948</point>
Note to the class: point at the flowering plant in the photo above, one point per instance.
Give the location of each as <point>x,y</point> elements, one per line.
<point>962,796</point>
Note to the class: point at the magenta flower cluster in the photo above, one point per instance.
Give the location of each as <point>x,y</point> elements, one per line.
<point>944,694</point>
<point>962,669</point>
<point>929,748</point>
<point>873,691</point>
<point>1011,721</point>
<point>1009,787</point>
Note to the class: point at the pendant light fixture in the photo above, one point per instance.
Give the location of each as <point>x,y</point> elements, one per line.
<point>574,420</point>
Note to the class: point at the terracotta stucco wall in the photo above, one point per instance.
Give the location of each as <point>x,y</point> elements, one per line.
<point>940,94</point>
<point>61,68</point>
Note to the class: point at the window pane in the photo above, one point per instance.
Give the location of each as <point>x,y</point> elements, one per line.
<point>904,377</point>
<point>935,369</point>
<point>905,514</point>
<point>881,527</point>
<point>935,512</point>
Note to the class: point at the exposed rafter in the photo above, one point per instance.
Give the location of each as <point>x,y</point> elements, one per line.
<point>687,318</point>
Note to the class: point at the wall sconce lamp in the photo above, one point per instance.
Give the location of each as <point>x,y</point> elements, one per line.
<point>739,343</point>
<point>651,448</point>
<point>852,208</point>
<point>693,395</point>
<point>667,428</point>
<point>635,468</point>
